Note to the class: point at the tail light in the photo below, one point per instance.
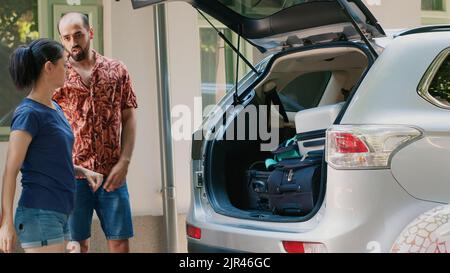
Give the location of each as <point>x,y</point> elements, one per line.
<point>193,232</point>
<point>301,247</point>
<point>366,146</point>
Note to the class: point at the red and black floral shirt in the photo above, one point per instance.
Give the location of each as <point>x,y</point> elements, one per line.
<point>95,112</point>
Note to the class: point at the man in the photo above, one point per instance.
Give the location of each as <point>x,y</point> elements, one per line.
<point>99,102</point>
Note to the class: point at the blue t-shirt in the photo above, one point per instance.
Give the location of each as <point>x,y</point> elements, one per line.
<point>48,175</point>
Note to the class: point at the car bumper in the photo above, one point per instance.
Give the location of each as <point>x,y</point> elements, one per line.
<point>364,211</point>
<point>198,247</point>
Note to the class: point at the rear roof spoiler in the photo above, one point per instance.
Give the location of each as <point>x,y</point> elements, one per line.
<point>424,29</point>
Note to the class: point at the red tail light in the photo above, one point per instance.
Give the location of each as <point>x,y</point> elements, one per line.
<point>193,232</point>
<point>294,247</point>
<point>347,143</point>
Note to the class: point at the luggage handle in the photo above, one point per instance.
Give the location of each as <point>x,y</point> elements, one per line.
<point>300,165</point>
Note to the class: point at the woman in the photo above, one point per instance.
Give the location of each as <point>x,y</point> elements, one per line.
<point>40,146</point>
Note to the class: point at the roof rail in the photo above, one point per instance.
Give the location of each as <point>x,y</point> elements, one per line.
<point>424,29</point>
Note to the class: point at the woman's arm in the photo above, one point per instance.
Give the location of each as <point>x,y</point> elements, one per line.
<point>17,149</point>
<point>95,179</point>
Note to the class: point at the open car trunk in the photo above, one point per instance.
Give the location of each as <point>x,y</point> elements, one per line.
<point>322,49</point>
<point>313,85</point>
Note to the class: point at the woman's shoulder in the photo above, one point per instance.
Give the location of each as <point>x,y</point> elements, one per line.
<point>26,117</point>
<point>26,108</point>
<point>29,108</point>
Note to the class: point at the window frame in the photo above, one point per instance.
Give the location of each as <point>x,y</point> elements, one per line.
<point>444,7</point>
<point>427,79</point>
<point>6,130</point>
<point>432,17</point>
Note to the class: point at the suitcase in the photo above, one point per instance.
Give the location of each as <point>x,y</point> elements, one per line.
<point>292,186</point>
<point>257,190</point>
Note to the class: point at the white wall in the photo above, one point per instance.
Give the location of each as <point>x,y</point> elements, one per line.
<point>129,36</point>
<point>3,152</point>
<point>394,14</point>
<point>184,66</point>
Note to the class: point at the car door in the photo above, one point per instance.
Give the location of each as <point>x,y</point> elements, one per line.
<point>421,167</point>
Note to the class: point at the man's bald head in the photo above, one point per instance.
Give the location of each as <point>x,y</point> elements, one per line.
<point>74,17</point>
<point>76,35</point>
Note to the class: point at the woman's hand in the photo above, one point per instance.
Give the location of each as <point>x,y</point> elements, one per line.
<point>94,179</point>
<point>7,238</point>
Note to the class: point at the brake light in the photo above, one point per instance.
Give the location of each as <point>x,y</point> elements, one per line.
<point>366,146</point>
<point>193,232</point>
<point>347,143</point>
<point>301,247</point>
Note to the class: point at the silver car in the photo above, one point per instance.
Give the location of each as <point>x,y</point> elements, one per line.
<point>380,116</point>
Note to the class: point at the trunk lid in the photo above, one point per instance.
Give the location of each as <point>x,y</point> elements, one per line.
<point>278,24</point>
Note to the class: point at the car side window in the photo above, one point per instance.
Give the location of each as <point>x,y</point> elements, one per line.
<point>305,91</point>
<point>440,85</point>
<point>435,85</point>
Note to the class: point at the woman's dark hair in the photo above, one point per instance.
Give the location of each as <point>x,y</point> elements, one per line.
<point>26,62</point>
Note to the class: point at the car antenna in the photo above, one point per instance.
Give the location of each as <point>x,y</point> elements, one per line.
<point>221,35</point>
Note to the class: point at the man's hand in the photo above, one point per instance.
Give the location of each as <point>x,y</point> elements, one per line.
<point>116,177</point>
<point>7,238</point>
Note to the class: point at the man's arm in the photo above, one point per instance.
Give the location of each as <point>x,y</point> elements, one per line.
<point>128,139</point>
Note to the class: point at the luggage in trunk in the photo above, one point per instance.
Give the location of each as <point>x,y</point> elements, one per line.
<point>292,186</point>
<point>257,191</point>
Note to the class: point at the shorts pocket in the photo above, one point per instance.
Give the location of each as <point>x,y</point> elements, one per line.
<point>27,226</point>
<point>20,227</point>
<point>19,221</point>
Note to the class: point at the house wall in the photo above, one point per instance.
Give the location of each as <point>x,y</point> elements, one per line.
<point>395,14</point>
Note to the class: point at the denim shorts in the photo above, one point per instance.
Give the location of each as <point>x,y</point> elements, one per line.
<point>112,208</point>
<point>38,227</point>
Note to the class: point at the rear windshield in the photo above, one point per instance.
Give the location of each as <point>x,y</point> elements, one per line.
<point>257,9</point>
<point>305,91</point>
